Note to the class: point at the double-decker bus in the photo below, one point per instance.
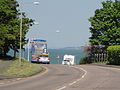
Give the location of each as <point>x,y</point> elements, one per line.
<point>39,52</point>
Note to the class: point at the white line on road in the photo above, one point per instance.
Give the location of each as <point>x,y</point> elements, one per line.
<point>83,76</point>
<point>79,78</point>
<point>62,88</point>
<point>70,84</point>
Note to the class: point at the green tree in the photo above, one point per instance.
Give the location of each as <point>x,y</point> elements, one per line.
<point>105,24</point>
<point>10,26</point>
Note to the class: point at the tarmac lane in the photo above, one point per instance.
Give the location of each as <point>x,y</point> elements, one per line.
<point>54,78</point>
<point>63,77</point>
<point>98,78</point>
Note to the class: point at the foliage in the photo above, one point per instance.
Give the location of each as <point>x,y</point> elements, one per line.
<point>9,26</point>
<point>105,24</point>
<point>85,60</point>
<point>114,54</point>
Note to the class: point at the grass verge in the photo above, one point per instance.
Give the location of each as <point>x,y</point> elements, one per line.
<point>105,63</point>
<point>24,69</point>
<point>1,61</point>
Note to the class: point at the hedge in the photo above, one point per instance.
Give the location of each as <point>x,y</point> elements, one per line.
<point>85,60</point>
<point>114,54</point>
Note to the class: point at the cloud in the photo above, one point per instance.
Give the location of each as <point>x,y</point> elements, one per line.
<point>57,31</point>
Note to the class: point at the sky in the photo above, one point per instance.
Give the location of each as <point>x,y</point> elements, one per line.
<point>63,23</point>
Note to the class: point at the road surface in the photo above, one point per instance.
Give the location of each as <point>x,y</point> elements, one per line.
<point>61,77</point>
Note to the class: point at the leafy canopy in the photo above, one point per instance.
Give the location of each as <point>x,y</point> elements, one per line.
<point>10,26</point>
<point>105,24</point>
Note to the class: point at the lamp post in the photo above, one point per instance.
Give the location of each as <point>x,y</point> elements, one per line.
<point>20,38</point>
<point>20,53</point>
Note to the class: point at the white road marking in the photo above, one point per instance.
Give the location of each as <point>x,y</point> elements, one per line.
<point>79,78</point>
<point>62,88</point>
<point>70,84</point>
<point>83,76</point>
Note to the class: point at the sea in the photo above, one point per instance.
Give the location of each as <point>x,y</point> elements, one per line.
<point>61,52</point>
<point>54,53</point>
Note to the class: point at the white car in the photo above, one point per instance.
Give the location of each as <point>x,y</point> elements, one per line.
<point>42,59</point>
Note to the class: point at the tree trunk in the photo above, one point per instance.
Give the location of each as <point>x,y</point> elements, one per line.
<point>4,52</point>
<point>14,53</point>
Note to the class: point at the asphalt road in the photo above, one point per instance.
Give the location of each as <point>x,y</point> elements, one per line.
<point>61,77</point>
<point>98,78</point>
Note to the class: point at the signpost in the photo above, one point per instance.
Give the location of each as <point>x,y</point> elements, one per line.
<point>58,58</point>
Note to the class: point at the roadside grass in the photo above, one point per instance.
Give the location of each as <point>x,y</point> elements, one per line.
<point>24,69</point>
<point>105,63</point>
<point>1,61</point>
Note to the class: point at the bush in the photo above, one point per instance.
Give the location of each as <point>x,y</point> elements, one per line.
<point>114,54</point>
<point>85,60</point>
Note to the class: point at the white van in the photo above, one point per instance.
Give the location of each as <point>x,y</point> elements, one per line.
<point>68,60</point>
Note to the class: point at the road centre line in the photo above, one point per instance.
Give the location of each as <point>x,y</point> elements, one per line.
<point>70,84</point>
<point>79,78</point>
<point>62,88</point>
